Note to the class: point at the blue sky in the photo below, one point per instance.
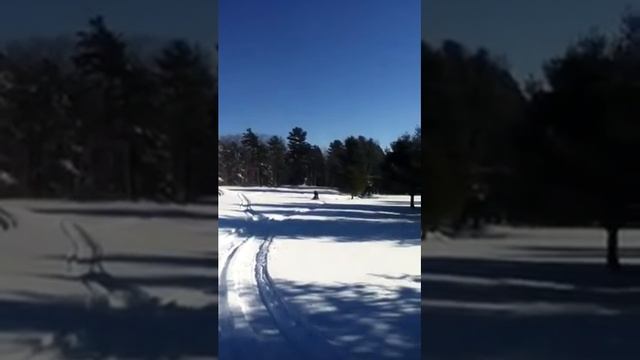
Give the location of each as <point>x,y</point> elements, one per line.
<point>195,20</point>
<point>526,32</point>
<point>333,67</point>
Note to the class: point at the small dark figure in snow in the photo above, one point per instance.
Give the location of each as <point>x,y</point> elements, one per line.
<point>315,196</point>
<point>367,192</point>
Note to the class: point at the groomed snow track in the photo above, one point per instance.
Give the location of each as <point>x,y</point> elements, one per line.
<point>7,219</point>
<point>285,327</point>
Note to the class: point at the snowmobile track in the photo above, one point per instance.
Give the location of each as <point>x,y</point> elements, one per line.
<point>7,219</point>
<point>297,332</point>
<point>96,274</point>
<point>227,323</point>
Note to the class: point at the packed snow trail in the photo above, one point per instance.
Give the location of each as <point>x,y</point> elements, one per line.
<point>76,278</point>
<point>361,301</point>
<point>7,220</point>
<point>116,292</point>
<point>243,328</point>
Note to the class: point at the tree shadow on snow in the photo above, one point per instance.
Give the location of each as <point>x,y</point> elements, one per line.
<point>403,209</point>
<point>154,260</point>
<point>284,190</point>
<point>358,318</point>
<point>599,252</point>
<point>146,329</point>
<point>510,309</point>
<point>341,230</point>
<point>144,213</point>
<point>342,222</point>
<point>142,332</point>
<point>7,220</point>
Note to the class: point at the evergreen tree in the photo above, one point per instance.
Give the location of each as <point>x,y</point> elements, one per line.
<point>403,165</point>
<point>188,98</point>
<point>472,106</point>
<point>374,158</point>
<point>96,117</point>
<point>230,162</point>
<point>298,156</point>
<point>335,165</point>
<point>317,166</point>
<point>589,133</point>
<point>355,166</point>
<point>250,146</point>
<point>276,154</point>
<point>36,115</point>
<point>102,62</point>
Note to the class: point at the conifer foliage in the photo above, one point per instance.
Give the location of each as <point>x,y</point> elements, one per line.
<point>92,117</point>
<point>355,165</point>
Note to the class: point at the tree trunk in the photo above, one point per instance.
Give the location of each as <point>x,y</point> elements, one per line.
<point>184,177</point>
<point>476,222</point>
<point>613,261</point>
<point>130,171</point>
<point>413,204</point>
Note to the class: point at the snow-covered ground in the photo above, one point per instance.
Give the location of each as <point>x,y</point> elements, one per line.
<point>335,278</point>
<point>530,293</point>
<point>114,280</point>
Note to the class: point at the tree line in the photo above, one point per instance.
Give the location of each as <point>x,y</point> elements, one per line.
<point>100,116</point>
<point>355,165</point>
<point>560,150</point>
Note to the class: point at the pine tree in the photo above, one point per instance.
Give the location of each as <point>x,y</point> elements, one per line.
<point>298,156</point>
<point>355,166</point>
<point>317,166</point>
<point>188,88</point>
<point>250,148</point>
<point>230,162</point>
<point>335,164</point>
<point>276,154</point>
<point>102,62</point>
<point>403,165</point>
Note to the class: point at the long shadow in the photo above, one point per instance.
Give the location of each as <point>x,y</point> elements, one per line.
<point>368,208</point>
<point>204,283</point>
<point>578,252</point>
<point>154,260</point>
<point>528,310</point>
<point>7,219</point>
<point>280,190</point>
<point>339,230</point>
<point>130,212</point>
<point>357,317</point>
<point>356,222</point>
<point>142,330</point>
<point>330,212</point>
<point>399,202</point>
<point>577,274</point>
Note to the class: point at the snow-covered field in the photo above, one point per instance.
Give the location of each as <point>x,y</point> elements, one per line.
<point>114,280</point>
<point>530,293</point>
<point>337,278</point>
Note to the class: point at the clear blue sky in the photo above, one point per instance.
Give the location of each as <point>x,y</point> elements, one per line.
<point>527,32</point>
<point>333,67</point>
<point>194,20</point>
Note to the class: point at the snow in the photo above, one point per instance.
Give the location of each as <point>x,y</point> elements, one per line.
<point>107,280</point>
<point>68,165</point>
<point>6,179</point>
<point>336,278</point>
<point>529,293</point>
